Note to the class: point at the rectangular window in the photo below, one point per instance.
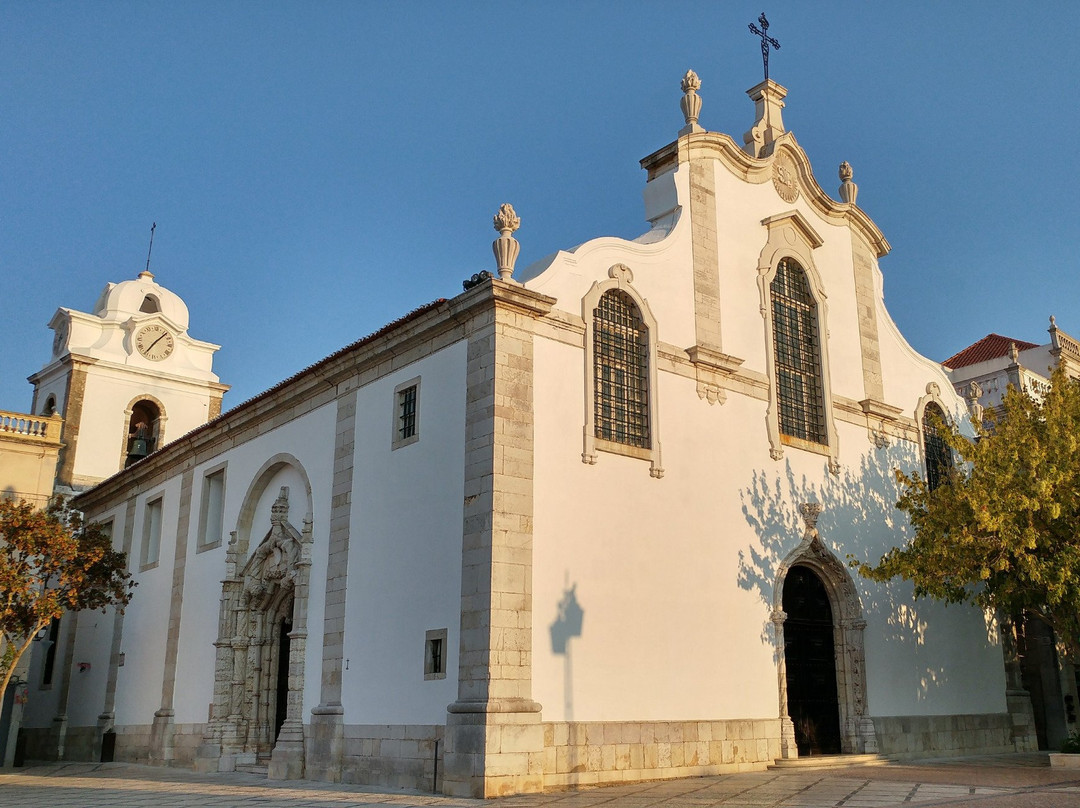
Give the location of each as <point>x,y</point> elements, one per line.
<point>212,510</point>
<point>406,413</point>
<point>151,539</point>
<point>435,654</point>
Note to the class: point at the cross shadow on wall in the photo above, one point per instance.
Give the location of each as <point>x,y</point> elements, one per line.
<point>858,521</point>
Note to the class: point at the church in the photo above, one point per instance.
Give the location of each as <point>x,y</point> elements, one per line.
<point>587,522</point>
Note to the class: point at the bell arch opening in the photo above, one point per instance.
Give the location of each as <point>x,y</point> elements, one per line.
<point>815,593</point>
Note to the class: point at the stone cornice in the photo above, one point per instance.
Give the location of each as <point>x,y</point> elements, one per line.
<point>722,148</point>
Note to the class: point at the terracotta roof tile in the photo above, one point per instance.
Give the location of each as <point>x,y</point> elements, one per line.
<point>991,346</point>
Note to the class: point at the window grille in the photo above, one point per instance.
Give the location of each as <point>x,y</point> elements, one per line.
<point>620,371</point>
<point>938,456</point>
<point>407,413</point>
<point>798,355</point>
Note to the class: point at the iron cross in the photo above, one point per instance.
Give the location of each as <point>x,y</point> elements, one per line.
<point>766,41</point>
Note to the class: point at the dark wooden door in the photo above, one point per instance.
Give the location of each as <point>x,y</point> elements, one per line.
<point>810,659</point>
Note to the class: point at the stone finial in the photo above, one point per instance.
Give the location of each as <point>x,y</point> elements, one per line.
<point>1014,352</point>
<point>279,511</point>
<point>505,247</point>
<point>768,98</point>
<point>691,103</point>
<point>1053,321</point>
<point>972,394</point>
<point>848,189</point>
<point>810,512</point>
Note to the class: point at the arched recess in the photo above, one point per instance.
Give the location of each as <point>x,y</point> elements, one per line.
<point>857,735</point>
<point>934,468</point>
<point>262,633</point>
<point>144,428</point>
<point>790,235</point>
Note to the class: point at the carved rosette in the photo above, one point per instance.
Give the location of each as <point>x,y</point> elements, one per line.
<point>691,101</point>
<point>785,177</point>
<point>506,247</point>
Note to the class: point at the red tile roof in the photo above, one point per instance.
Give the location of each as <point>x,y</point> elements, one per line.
<point>991,346</point>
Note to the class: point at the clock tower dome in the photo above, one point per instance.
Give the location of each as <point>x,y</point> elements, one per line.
<point>127,378</point>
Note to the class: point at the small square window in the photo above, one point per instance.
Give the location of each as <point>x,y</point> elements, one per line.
<point>435,654</point>
<point>406,413</point>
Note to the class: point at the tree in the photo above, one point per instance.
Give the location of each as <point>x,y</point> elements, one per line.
<point>1003,530</point>
<point>52,562</point>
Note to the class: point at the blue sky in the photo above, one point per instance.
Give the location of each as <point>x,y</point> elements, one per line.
<point>318,169</point>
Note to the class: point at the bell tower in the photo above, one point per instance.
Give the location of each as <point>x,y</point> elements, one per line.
<point>127,378</point>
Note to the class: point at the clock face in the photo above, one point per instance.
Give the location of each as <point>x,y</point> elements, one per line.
<point>154,342</point>
<point>60,335</point>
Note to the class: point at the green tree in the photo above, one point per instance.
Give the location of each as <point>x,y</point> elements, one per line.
<point>51,562</point>
<point>1003,530</point>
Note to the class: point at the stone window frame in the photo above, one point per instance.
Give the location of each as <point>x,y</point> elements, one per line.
<point>933,396</point>
<point>201,546</point>
<point>49,667</point>
<point>790,235</point>
<point>148,541</point>
<point>396,441</point>
<point>621,278</point>
<point>431,671</point>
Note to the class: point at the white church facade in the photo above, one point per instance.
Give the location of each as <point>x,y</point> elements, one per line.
<point>588,521</point>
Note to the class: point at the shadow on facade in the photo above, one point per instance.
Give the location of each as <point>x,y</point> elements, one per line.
<point>858,520</point>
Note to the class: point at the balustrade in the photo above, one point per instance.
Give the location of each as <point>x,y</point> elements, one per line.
<point>21,426</point>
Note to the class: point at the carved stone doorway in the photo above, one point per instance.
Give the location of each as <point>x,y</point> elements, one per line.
<point>259,672</point>
<point>810,659</point>
<point>823,600</point>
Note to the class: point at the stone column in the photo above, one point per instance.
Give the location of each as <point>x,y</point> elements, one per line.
<point>494,739</point>
<point>107,718</point>
<point>327,739</point>
<point>163,729</point>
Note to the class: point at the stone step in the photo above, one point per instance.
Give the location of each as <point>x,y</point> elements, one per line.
<point>830,761</point>
<point>253,768</point>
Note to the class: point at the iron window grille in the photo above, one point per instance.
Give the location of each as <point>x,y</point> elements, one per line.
<point>407,413</point>
<point>939,460</point>
<point>798,355</point>
<point>620,371</point>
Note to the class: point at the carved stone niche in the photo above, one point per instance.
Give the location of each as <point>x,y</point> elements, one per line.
<point>857,733</point>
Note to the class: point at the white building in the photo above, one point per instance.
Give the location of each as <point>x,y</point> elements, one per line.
<point>582,524</point>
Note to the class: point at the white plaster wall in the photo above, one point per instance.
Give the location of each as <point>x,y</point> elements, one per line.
<point>93,644</point>
<point>676,577</point>
<point>310,441</point>
<point>138,682</point>
<point>405,547</point>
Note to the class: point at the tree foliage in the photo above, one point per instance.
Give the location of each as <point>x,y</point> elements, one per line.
<point>1003,531</point>
<point>52,562</point>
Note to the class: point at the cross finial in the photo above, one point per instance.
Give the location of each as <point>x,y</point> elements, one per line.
<point>146,272</point>
<point>766,41</point>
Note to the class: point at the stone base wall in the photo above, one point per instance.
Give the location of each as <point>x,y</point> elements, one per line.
<point>590,753</point>
<point>914,736</point>
<point>398,755</point>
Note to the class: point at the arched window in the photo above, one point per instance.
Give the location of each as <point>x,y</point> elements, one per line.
<point>143,430</point>
<point>939,460</point>
<point>620,371</point>
<point>150,305</point>
<point>50,406</point>
<point>797,351</point>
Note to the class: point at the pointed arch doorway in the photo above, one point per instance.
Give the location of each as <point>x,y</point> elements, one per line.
<point>822,680</point>
<point>810,662</point>
<point>259,674</point>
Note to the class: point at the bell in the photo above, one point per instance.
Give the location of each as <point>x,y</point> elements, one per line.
<point>140,447</point>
